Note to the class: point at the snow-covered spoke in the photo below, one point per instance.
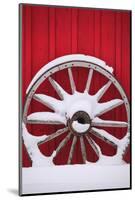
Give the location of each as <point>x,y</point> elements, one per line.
<point>54,135</point>
<point>107,106</point>
<point>93,145</point>
<point>102,91</point>
<point>60,91</point>
<point>72,150</point>
<point>71,79</point>
<point>88,83</point>
<point>105,136</point>
<point>63,143</point>
<point>83,150</point>
<point>108,123</point>
<point>48,101</point>
<point>31,139</point>
<point>45,118</point>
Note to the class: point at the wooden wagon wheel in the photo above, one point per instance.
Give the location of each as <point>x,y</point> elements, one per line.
<point>79,112</point>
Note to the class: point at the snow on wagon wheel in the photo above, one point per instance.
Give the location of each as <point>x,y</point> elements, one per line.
<point>80,112</point>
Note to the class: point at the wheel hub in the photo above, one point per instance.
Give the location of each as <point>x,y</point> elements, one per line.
<point>80,123</point>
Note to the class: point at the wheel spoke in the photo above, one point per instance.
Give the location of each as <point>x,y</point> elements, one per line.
<point>72,149</point>
<point>45,118</point>
<point>60,91</point>
<point>54,135</point>
<point>63,143</point>
<point>88,83</point>
<point>108,123</point>
<point>93,145</point>
<point>102,91</point>
<point>105,136</point>
<point>72,83</point>
<point>48,101</point>
<point>107,106</point>
<point>83,150</point>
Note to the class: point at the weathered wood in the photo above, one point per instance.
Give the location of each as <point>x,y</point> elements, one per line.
<point>92,144</point>
<point>72,150</point>
<point>42,122</point>
<point>71,79</point>
<point>107,123</point>
<point>57,88</point>
<point>107,106</point>
<point>88,83</point>
<point>83,150</point>
<point>46,100</point>
<point>54,135</point>
<point>102,91</point>
<point>105,136</point>
<point>63,143</point>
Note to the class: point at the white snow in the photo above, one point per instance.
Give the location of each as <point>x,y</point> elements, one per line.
<point>79,102</point>
<point>47,117</point>
<point>43,177</point>
<point>101,107</point>
<point>80,127</point>
<point>40,160</point>
<point>30,141</point>
<point>74,178</point>
<point>68,58</point>
<point>50,102</point>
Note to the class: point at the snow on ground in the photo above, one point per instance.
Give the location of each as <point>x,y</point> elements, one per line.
<point>74,178</point>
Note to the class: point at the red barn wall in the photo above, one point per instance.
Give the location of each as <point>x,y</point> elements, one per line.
<point>50,32</point>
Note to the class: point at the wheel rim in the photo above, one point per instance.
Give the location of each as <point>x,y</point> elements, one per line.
<point>91,121</point>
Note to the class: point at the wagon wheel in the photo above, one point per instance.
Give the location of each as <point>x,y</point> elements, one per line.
<point>80,112</point>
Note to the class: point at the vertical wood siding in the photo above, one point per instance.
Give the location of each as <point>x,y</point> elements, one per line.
<point>49,32</point>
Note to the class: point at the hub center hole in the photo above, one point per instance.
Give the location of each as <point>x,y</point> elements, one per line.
<point>81,120</point>
<point>80,123</point>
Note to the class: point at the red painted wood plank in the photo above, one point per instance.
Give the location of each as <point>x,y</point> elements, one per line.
<point>26,65</point>
<point>26,48</point>
<point>118,45</point>
<point>63,31</point>
<point>86,31</point>
<point>52,37</point>
<point>74,30</point>
<point>108,37</point>
<point>126,52</point>
<point>40,36</point>
<point>97,33</point>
